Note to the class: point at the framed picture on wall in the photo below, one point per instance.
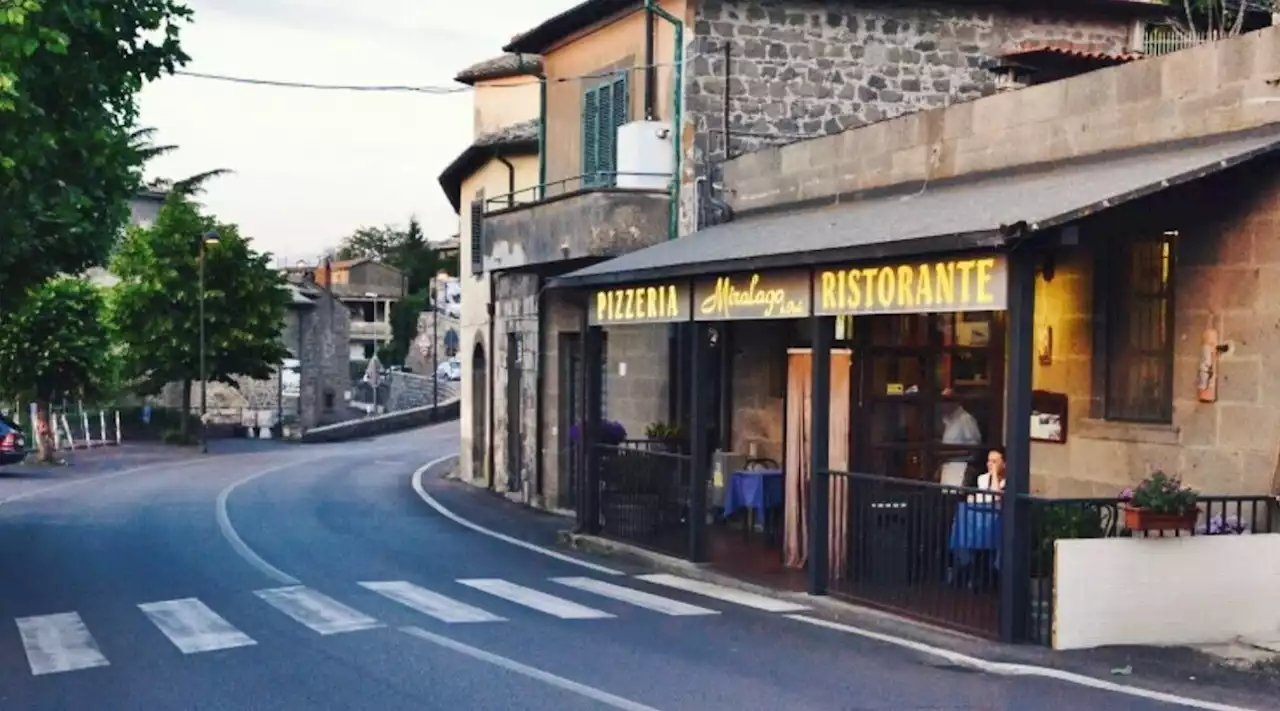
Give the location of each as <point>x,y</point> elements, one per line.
<point>1048,417</point>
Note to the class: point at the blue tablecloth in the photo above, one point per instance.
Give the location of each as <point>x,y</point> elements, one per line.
<point>976,527</point>
<point>756,489</point>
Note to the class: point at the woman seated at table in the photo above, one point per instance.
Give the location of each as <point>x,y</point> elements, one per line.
<point>993,480</point>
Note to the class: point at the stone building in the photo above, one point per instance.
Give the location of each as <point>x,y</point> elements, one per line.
<point>307,391</point>
<point>753,73</point>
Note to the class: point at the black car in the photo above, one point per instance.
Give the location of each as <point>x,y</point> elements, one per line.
<point>13,443</point>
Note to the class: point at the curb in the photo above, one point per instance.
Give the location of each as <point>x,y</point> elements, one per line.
<point>829,607</point>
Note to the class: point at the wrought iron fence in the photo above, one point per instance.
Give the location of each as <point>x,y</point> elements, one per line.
<point>644,497</point>
<point>919,548</point>
<point>1052,520</point>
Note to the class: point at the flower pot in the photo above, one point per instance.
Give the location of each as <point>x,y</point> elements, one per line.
<point>1143,520</point>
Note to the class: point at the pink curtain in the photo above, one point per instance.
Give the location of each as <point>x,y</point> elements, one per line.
<point>798,438</point>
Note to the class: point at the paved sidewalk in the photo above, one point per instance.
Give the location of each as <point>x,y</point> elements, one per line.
<point>1181,671</point>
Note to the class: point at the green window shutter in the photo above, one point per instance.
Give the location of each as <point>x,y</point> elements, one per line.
<point>605,150</point>
<point>621,109</point>
<point>590,136</point>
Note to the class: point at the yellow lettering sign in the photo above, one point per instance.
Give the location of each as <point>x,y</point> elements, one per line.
<point>755,296</point>
<point>640,304</point>
<point>971,284</point>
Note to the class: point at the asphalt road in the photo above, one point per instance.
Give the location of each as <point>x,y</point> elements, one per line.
<point>314,577</point>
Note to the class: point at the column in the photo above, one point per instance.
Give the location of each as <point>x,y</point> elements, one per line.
<point>1013,553</point>
<point>698,455</point>
<point>820,434</point>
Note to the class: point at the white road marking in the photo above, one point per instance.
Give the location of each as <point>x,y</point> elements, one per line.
<point>1007,669</point>
<point>440,509</point>
<point>59,643</point>
<point>427,602</point>
<point>193,627</point>
<point>316,610</point>
<point>511,665</point>
<point>649,601</point>
<point>237,543</point>
<point>720,592</point>
<point>534,599</point>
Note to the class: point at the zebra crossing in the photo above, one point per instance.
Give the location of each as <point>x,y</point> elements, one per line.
<point>62,642</point>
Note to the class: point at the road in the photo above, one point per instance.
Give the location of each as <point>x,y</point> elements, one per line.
<point>314,577</point>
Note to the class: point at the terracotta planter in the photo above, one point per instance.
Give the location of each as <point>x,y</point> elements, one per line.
<point>1144,520</point>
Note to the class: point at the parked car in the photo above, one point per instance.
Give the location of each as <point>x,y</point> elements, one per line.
<point>13,443</point>
<point>450,370</point>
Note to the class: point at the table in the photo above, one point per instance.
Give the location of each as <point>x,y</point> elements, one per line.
<point>756,490</point>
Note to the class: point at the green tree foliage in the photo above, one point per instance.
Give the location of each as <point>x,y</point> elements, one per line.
<point>407,250</point>
<point>404,328</point>
<point>70,71</point>
<point>54,344</point>
<point>155,308</point>
<point>370,243</point>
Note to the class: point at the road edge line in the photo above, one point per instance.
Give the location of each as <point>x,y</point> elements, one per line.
<point>1012,669</point>
<point>443,511</point>
<point>232,537</point>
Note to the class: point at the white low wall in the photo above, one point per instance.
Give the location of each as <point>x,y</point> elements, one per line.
<point>1166,591</point>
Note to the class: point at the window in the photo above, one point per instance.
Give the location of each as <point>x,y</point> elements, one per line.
<point>477,233</point>
<point>1139,302</point>
<point>604,109</point>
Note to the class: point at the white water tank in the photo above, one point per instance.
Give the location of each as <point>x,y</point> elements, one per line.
<point>644,155</point>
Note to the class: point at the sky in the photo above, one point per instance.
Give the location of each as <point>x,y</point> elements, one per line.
<point>313,166</point>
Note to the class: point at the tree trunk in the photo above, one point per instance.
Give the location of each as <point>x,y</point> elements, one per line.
<point>45,450</point>
<point>184,427</point>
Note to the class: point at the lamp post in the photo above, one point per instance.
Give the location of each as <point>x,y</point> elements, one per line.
<point>377,371</point>
<point>208,239</point>
<point>435,345</point>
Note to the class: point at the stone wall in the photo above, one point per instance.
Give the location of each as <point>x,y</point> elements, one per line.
<point>1214,88</point>
<point>808,68</point>
<point>1226,275</point>
<point>636,382</point>
<point>515,312</point>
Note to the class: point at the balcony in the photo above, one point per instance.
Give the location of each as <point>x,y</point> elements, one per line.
<point>370,329</point>
<point>574,221</point>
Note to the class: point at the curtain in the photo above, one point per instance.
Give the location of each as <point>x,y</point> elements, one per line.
<point>798,475</point>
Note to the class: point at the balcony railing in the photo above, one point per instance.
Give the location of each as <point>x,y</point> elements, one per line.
<point>370,329</point>
<point>601,215</point>
<point>1163,40</point>
<point>566,186</point>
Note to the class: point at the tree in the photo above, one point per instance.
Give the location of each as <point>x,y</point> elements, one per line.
<point>416,258</point>
<point>1204,20</point>
<point>378,243</point>
<point>189,186</point>
<point>70,71</point>
<point>54,344</point>
<point>155,308</point>
<point>404,328</point>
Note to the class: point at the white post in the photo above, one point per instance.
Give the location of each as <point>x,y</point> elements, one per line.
<point>84,422</point>
<point>102,426</point>
<point>66,429</point>
<point>119,437</point>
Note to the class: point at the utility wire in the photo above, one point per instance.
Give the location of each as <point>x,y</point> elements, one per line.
<point>407,88</point>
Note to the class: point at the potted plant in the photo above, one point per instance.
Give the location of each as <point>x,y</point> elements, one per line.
<point>1160,503</point>
<point>669,435</point>
<point>608,432</point>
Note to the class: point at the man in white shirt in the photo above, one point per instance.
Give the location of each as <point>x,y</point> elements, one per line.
<point>961,428</point>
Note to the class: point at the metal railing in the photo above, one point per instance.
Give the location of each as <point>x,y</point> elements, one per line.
<point>577,183</point>
<point>922,549</point>
<point>1052,520</point>
<point>1160,41</point>
<point>644,497</point>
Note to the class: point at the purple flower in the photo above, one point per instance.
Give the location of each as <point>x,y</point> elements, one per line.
<point>1127,494</point>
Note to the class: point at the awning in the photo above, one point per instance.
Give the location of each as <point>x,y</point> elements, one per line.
<point>931,217</point>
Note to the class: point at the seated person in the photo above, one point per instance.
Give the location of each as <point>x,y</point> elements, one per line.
<point>993,480</point>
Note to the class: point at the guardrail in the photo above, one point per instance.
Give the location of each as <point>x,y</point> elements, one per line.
<point>383,424</point>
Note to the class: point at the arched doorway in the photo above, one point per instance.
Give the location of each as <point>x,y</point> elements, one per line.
<point>479,410</point>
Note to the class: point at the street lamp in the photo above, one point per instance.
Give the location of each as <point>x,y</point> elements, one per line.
<point>208,239</point>
<point>377,371</point>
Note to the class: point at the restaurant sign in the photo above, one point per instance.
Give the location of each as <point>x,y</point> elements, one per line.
<point>968,284</point>
<point>654,303</point>
<point>752,296</point>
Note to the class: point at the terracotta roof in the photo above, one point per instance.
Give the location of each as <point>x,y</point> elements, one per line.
<point>507,65</point>
<point>519,138</point>
<point>1070,49</point>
